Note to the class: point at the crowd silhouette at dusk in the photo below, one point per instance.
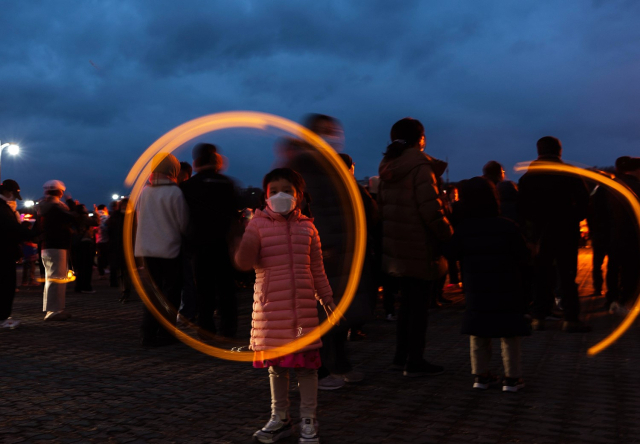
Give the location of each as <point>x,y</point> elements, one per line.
<point>512,248</point>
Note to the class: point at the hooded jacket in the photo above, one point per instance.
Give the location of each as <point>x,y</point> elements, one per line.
<point>413,221</point>
<point>163,214</point>
<point>290,278</point>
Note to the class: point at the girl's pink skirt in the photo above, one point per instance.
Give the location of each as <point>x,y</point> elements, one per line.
<point>309,359</point>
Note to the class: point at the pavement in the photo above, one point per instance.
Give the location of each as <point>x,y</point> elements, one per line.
<point>88,380</point>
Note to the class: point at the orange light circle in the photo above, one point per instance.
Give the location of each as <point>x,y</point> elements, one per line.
<point>552,167</point>
<point>243,119</point>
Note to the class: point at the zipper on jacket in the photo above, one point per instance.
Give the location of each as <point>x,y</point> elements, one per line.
<point>293,280</point>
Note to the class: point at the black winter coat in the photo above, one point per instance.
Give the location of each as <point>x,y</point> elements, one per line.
<point>494,256</point>
<point>11,233</point>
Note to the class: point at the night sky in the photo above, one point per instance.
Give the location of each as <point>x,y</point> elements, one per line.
<point>87,86</point>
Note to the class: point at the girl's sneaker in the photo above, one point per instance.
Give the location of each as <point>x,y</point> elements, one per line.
<point>484,382</point>
<point>308,431</point>
<point>512,384</point>
<point>275,430</point>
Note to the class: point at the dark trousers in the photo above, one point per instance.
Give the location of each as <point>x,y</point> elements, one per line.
<point>390,287</point>
<point>599,253</point>
<point>103,257</point>
<point>559,260</point>
<point>7,286</point>
<point>413,318</point>
<point>167,277</point>
<point>83,254</point>
<point>216,290</point>
<point>333,353</point>
<point>622,273</point>
<point>125,279</point>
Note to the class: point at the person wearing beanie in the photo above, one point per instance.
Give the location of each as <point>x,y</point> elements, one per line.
<point>162,222</point>
<point>552,206</point>
<point>11,234</point>
<point>56,223</point>
<point>213,204</point>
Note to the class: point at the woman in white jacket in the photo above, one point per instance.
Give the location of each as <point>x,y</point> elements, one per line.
<point>163,216</point>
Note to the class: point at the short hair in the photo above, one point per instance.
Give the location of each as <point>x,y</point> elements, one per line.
<point>348,161</point>
<point>102,207</point>
<point>493,171</point>
<point>186,168</point>
<point>288,174</point>
<point>549,146</point>
<point>311,121</point>
<point>204,154</point>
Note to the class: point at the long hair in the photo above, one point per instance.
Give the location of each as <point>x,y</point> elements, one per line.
<point>479,198</point>
<point>405,133</point>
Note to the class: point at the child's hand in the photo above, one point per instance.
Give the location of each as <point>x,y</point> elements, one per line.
<point>332,316</point>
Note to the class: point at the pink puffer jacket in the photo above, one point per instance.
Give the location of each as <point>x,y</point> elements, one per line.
<point>290,278</point>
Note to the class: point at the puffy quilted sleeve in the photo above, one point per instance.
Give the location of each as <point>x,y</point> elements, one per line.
<point>321,283</point>
<point>429,204</point>
<point>248,253</point>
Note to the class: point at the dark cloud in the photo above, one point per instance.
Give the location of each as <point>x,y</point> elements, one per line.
<point>87,86</point>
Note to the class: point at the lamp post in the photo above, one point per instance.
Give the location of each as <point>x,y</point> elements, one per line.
<point>13,150</point>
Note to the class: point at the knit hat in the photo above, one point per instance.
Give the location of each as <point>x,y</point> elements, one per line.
<point>167,164</point>
<point>12,185</point>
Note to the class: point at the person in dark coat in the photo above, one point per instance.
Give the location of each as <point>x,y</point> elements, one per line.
<point>494,255</point>
<point>414,228</point>
<point>83,249</point>
<point>213,205</point>
<point>331,220</point>
<point>551,207</point>
<point>507,190</point>
<point>624,254</point>
<point>11,234</point>
<point>364,302</point>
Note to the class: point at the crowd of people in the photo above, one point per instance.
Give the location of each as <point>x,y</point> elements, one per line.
<point>513,248</point>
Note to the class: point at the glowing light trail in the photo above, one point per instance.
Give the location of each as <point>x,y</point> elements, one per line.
<point>244,119</point>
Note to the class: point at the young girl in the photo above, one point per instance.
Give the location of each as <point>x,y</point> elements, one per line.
<point>494,257</point>
<point>284,248</point>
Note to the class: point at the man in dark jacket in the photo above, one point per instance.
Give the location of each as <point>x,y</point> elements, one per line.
<point>11,234</point>
<point>56,222</point>
<point>213,207</point>
<point>624,254</point>
<point>552,206</point>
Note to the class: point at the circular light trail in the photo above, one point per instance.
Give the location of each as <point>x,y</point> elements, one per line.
<point>632,199</point>
<point>243,119</point>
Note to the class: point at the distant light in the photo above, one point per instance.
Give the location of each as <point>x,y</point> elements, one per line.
<point>13,149</point>
<point>121,197</point>
<point>115,196</point>
<point>90,214</point>
<point>29,203</point>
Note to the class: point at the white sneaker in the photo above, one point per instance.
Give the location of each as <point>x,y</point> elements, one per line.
<point>9,324</point>
<point>619,309</point>
<point>57,316</point>
<point>275,430</point>
<point>308,431</point>
<point>331,382</point>
<point>391,318</point>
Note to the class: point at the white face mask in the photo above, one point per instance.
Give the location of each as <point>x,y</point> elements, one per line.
<point>282,203</point>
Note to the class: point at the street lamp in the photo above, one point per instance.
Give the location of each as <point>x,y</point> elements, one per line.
<point>114,196</point>
<point>13,150</point>
<point>29,203</point>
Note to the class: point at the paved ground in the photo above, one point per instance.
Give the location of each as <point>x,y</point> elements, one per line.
<point>87,380</point>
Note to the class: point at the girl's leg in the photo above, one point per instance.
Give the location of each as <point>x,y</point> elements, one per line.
<point>512,357</point>
<point>279,380</point>
<point>480,355</point>
<point>308,384</point>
